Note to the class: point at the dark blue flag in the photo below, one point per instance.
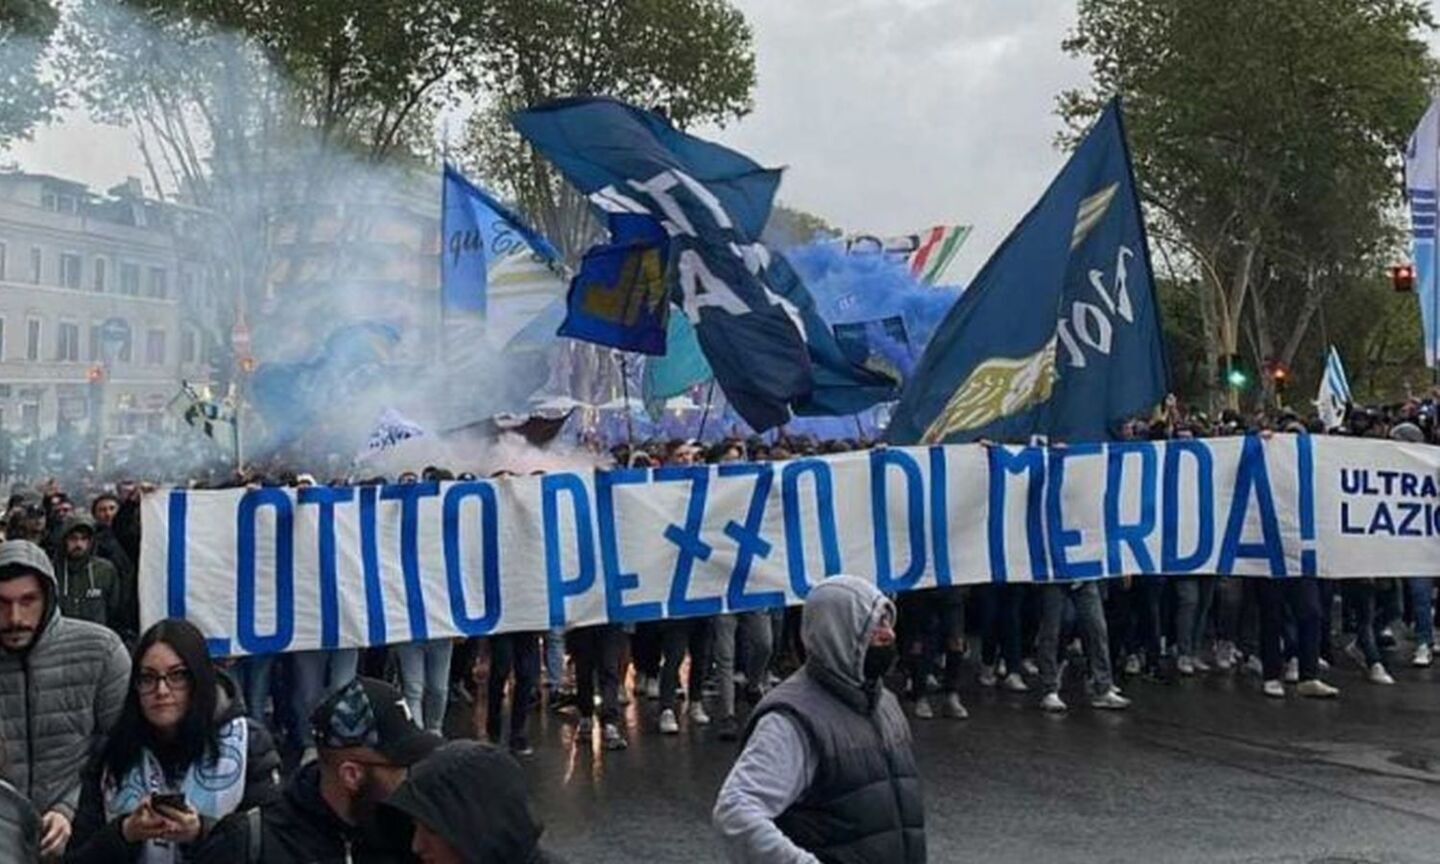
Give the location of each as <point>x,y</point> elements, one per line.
<point>478,232</point>
<point>1059,333</point>
<point>713,203</point>
<point>619,296</point>
<point>881,345</point>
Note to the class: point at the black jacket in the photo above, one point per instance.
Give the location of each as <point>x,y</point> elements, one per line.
<point>95,841</point>
<point>473,796</point>
<point>300,828</point>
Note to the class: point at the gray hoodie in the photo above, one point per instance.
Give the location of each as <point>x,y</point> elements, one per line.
<point>777,765</point>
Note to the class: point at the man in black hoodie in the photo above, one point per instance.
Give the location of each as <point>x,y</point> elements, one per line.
<point>327,814</point>
<point>468,804</point>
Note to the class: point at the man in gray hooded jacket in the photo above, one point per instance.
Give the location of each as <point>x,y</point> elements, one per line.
<point>827,773</point>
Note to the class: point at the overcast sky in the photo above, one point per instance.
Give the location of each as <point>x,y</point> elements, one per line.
<point>891,115</point>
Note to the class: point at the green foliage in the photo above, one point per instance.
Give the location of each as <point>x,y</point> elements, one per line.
<point>1266,136</point>
<point>27,98</point>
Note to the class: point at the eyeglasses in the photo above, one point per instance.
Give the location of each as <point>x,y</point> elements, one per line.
<point>176,681</point>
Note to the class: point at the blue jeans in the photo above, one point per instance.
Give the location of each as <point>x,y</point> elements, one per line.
<point>317,674</point>
<point>555,659</point>
<point>425,679</point>
<point>1422,604</point>
<point>1192,612</point>
<point>1058,602</point>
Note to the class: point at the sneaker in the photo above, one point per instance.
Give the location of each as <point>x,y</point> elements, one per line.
<point>668,724</point>
<point>1292,670</point>
<point>1013,683</point>
<point>952,707</point>
<point>613,740</point>
<point>1110,701</point>
<point>1253,665</point>
<point>1274,689</point>
<point>1225,656</point>
<point>1200,665</point>
<point>1423,656</point>
<point>728,729</point>
<point>1378,675</point>
<point>931,683</point>
<point>1317,689</point>
<point>1052,704</point>
<point>1132,664</point>
<point>1029,668</point>
<point>1385,638</point>
<point>923,709</point>
<point>584,727</point>
<point>1323,664</point>
<point>987,676</point>
<point>1185,665</point>
<point>698,715</point>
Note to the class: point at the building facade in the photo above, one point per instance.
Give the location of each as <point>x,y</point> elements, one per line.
<point>94,296</point>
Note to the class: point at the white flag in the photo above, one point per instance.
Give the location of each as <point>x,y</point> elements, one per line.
<point>390,430</point>
<point>1334,392</point>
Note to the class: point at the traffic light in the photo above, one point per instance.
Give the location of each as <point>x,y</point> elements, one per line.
<point>1233,372</point>
<point>1402,277</point>
<point>1279,373</point>
<point>1237,378</point>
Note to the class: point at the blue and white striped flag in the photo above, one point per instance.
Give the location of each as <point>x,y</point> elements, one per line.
<point>1334,392</point>
<point>1422,176</point>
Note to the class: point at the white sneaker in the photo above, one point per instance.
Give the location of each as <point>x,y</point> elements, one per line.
<point>1225,656</point>
<point>923,709</point>
<point>1292,671</point>
<point>1052,704</point>
<point>1253,665</point>
<point>1015,684</point>
<point>987,676</point>
<point>1111,701</point>
<point>1185,665</point>
<point>668,724</point>
<point>1317,689</point>
<point>1378,675</point>
<point>953,708</point>
<point>1274,689</point>
<point>1132,664</point>
<point>1028,667</point>
<point>1200,665</point>
<point>1423,656</point>
<point>698,715</point>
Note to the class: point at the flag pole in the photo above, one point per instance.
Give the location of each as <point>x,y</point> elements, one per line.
<point>705,415</point>
<point>625,395</point>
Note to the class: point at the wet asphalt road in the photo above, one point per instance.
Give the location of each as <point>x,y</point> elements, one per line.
<point>1199,770</point>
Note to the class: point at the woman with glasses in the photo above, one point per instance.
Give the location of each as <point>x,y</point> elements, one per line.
<point>182,756</point>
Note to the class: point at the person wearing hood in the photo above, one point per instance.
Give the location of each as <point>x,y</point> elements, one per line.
<point>468,805</point>
<point>62,687</point>
<point>90,586</point>
<point>103,509</point>
<point>182,756</point>
<point>367,741</point>
<point>827,772</point>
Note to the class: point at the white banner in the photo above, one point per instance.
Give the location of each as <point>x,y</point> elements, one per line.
<point>283,569</point>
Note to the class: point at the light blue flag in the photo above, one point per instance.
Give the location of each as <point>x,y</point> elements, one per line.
<point>478,232</point>
<point>1422,171</point>
<point>1334,395</point>
<point>680,368</point>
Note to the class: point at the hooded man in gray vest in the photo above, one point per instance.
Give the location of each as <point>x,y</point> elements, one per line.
<point>827,773</point>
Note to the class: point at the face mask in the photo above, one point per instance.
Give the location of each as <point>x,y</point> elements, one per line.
<point>879,659</point>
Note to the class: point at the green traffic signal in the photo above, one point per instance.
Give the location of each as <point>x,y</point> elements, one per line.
<point>1237,378</point>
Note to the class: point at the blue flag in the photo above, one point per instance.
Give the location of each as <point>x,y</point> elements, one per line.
<point>618,298</point>
<point>882,345</point>
<point>1422,177</point>
<point>1059,333</point>
<point>713,203</point>
<point>477,232</point>
<point>682,366</point>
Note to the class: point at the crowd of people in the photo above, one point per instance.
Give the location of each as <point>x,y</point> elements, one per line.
<point>122,745</point>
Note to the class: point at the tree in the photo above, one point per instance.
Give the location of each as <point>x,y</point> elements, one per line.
<point>1265,135</point>
<point>691,59</point>
<point>26,97</point>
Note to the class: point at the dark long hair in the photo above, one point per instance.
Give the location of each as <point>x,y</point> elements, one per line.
<point>198,734</point>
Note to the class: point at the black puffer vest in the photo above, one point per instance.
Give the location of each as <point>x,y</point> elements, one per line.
<point>864,806</point>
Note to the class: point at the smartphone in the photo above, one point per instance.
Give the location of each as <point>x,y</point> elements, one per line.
<point>169,801</point>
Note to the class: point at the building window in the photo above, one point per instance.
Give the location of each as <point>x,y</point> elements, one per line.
<point>30,417</point>
<point>100,275</point>
<point>187,346</point>
<point>94,354</point>
<point>69,270</point>
<point>67,342</point>
<point>32,339</point>
<point>126,353</point>
<point>155,347</point>
<point>35,261</point>
<point>49,200</point>
<point>130,280</point>
<point>159,287</point>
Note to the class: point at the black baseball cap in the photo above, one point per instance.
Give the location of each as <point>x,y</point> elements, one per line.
<point>368,712</point>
